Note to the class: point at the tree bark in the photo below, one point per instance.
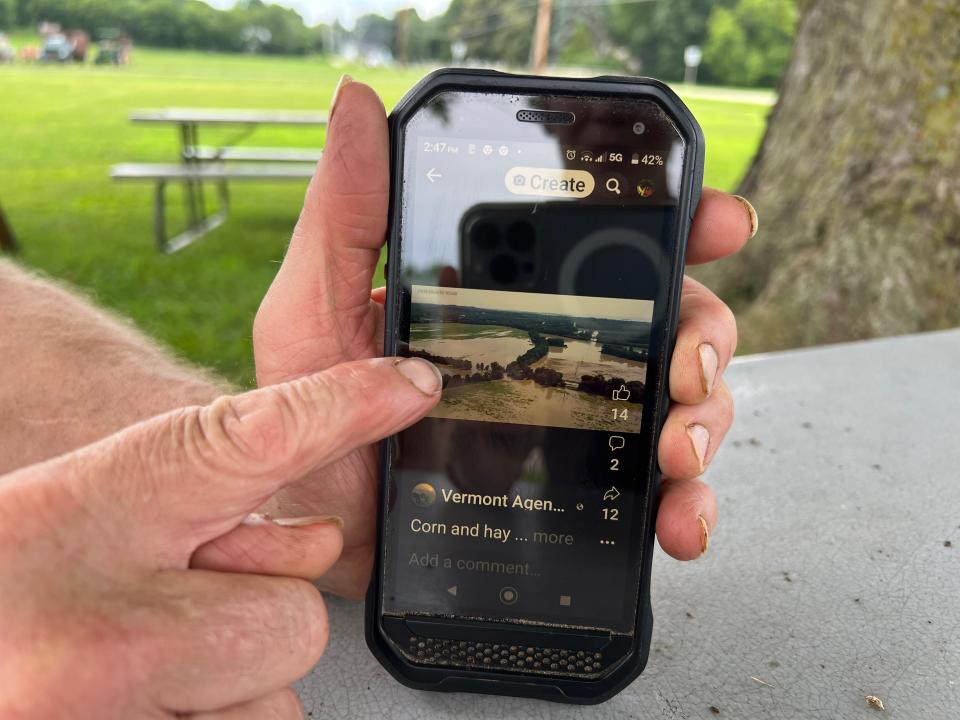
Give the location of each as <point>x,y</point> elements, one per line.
<point>7,240</point>
<point>857,181</point>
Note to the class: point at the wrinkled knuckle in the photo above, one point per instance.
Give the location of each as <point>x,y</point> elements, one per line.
<point>230,435</point>
<point>316,396</point>
<point>344,386</point>
<point>156,448</point>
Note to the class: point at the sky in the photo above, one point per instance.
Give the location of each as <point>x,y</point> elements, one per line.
<point>568,305</point>
<point>347,11</point>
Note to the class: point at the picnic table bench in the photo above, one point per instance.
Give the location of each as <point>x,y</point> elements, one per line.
<point>834,572</point>
<point>218,165</point>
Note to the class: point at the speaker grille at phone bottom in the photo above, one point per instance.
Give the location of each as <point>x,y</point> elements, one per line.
<point>498,656</point>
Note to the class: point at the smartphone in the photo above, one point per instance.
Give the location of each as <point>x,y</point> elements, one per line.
<point>536,248</point>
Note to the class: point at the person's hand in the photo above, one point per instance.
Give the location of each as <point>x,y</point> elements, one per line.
<point>320,311</point>
<point>133,582</point>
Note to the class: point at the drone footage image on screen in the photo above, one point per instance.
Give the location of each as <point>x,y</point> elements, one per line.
<point>535,359</point>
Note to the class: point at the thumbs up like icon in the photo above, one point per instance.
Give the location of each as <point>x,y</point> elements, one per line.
<point>621,393</point>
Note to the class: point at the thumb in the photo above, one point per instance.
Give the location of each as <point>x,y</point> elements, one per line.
<point>189,476</point>
<point>339,235</point>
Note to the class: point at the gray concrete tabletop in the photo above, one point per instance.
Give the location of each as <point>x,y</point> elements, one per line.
<point>834,572</point>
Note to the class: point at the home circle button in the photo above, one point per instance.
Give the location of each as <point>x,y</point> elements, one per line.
<point>508,595</point>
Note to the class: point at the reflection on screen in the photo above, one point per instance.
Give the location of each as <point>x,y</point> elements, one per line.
<point>532,273</point>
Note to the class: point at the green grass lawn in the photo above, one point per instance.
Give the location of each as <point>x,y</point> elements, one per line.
<point>62,127</point>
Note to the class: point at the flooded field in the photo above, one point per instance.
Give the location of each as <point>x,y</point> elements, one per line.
<point>524,401</point>
<point>584,358</point>
<point>477,343</point>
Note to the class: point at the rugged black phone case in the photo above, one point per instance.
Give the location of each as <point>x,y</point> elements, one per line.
<point>558,689</point>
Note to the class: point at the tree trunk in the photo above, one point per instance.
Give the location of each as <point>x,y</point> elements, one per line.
<point>857,181</point>
<point>7,240</point>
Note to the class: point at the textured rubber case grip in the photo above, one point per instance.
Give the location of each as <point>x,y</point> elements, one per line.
<point>483,679</point>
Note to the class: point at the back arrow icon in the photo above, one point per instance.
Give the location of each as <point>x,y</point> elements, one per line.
<point>433,175</point>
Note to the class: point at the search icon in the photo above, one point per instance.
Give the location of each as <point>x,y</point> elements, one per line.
<point>613,185</point>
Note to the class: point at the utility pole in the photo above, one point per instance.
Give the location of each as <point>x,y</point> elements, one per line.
<point>402,25</point>
<point>541,36</point>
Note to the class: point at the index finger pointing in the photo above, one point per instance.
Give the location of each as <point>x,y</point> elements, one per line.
<point>180,480</point>
<point>722,225</point>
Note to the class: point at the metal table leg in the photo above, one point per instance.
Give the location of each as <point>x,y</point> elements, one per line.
<point>188,155</point>
<point>194,230</point>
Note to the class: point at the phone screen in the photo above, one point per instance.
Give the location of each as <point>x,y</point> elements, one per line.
<point>535,259</point>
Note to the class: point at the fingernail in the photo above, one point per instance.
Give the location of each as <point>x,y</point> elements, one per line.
<point>306,520</point>
<point>704,534</point>
<point>752,212</point>
<point>708,366</point>
<point>344,81</point>
<point>700,441</point>
<point>422,373</point>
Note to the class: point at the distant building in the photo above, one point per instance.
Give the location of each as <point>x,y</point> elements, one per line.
<point>366,53</point>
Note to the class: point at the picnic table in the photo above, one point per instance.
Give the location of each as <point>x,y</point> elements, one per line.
<point>217,164</point>
<point>833,575</point>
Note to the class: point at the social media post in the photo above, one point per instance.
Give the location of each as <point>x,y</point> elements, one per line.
<point>534,358</point>
<point>459,544</point>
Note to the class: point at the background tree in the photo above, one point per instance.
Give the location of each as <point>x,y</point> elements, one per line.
<point>582,36</point>
<point>8,14</point>
<point>857,181</point>
<point>428,38</point>
<point>748,44</point>
<point>500,32</point>
<point>373,29</point>
<point>288,34</point>
<point>657,32</point>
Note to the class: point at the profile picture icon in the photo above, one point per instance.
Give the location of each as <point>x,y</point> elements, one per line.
<point>424,494</point>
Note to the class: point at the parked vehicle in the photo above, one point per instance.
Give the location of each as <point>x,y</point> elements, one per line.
<point>65,46</point>
<point>56,48</point>
<point>113,47</point>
